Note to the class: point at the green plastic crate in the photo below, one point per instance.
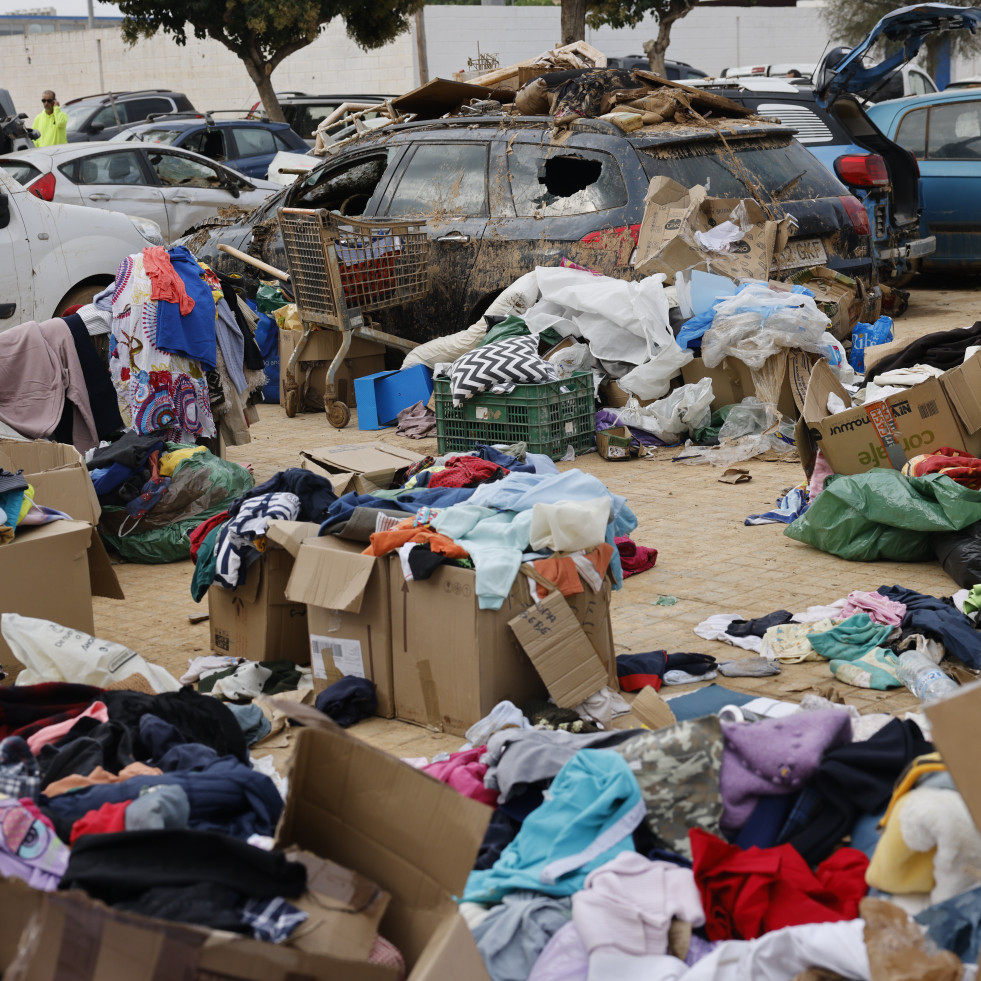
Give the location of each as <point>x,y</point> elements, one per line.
<point>549,417</point>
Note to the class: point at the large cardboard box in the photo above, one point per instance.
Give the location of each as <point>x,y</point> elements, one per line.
<point>837,296</point>
<point>453,662</point>
<point>673,213</point>
<point>52,572</point>
<point>954,725</point>
<point>57,473</point>
<point>363,358</point>
<point>361,467</point>
<point>944,411</point>
<point>348,614</point>
<point>257,621</point>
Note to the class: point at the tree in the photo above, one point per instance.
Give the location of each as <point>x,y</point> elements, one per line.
<point>573,20</point>
<point>629,13</point>
<point>265,32</point>
<point>850,20</point>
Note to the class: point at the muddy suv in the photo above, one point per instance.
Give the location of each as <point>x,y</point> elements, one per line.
<point>501,195</point>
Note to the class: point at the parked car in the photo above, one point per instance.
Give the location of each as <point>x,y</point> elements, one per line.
<point>303,112</point>
<point>100,117</point>
<point>15,129</point>
<point>880,173</point>
<point>943,131</point>
<point>246,145</point>
<point>500,199</point>
<point>908,80</point>
<point>172,187</point>
<point>845,71</point>
<point>677,71</point>
<point>53,256</point>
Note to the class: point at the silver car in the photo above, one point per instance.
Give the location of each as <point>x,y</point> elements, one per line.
<point>173,187</point>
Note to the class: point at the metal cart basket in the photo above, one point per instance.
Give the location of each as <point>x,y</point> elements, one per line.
<point>341,270</point>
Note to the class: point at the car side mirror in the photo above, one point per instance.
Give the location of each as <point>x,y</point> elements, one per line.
<point>97,127</point>
<point>233,188</point>
<point>4,210</point>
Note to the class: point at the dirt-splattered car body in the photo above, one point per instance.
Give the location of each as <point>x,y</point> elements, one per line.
<point>501,195</point>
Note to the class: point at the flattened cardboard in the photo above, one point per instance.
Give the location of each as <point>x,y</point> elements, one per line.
<point>362,467</point>
<point>924,416</point>
<point>414,836</point>
<point>58,474</point>
<point>953,722</point>
<point>875,353</point>
<point>651,709</point>
<point>257,621</point>
<point>732,381</point>
<point>560,651</point>
<point>81,569</point>
<point>439,96</point>
<point>349,632</point>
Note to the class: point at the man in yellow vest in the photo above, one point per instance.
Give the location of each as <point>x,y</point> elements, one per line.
<point>51,122</point>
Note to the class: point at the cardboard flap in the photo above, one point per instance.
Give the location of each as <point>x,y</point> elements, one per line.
<point>361,457</point>
<point>291,534</point>
<point>651,709</point>
<point>799,373</point>
<point>822,383</point>
<point>962,385</point>
<point>357,805</point>
<point>58,473</point>
<point>329,576</point>
<point>952,720</point>
<point>101,574</point>
<point>562,654</point>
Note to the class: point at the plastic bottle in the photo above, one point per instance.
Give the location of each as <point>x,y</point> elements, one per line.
<point>926,680</point>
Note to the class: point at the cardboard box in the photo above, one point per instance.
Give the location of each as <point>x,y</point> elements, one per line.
<point>257,621</point>
<point>361,467</point>
<point>836,295</point>
<point>673,213</point>
<point>732,381</point>
<point>363,358</point>
<point>52,572</point>
<point>875,353</point>
<point>944,411</point>
<point>348,614</point>
<point>58,474</point>
<point>953,724</point>
<point>453,662</point>
<point>614,443</point>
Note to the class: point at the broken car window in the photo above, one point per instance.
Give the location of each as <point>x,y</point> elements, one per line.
<point>547,183</point>
<point>346,189</point>
<point>443,179</point>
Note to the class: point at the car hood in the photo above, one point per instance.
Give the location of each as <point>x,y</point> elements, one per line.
<point>841,72</point>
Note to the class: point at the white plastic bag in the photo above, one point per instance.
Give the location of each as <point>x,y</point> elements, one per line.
<point>571,359</point>
<point>51,652</point>
<point>652,379</point>
<point>681,412</point>
<point>748,418</point>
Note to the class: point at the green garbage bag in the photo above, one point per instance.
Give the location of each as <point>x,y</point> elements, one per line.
<point>512,326</point>
<point>884,515</point>
<point>202,485</point>
<point>269,298</point>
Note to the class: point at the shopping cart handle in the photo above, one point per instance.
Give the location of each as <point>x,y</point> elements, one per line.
<point>252,261</point>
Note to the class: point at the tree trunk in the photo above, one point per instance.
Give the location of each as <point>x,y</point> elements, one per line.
<point>261,73</point>
<point>573,21</point>
<point>655,50</point>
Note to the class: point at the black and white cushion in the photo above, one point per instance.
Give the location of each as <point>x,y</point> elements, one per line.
<point>498,367</point>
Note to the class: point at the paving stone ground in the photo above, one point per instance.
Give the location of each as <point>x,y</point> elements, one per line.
<point>707,558</point>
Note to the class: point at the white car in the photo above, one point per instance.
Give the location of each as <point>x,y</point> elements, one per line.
<point>53,256</point>
<point>173,187</point>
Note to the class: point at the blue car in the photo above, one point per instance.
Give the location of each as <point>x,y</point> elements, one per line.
<point>943,131</point>
<point>246,145</point>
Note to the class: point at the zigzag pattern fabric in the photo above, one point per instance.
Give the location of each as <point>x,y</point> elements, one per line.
<point>498,368</point>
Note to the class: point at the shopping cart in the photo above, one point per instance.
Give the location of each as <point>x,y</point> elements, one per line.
<point>341,270</point>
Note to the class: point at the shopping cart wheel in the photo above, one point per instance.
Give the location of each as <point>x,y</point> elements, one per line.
<point>291,402</point>
<point>338,414</point>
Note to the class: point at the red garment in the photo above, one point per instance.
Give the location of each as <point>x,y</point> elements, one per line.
<point>199,534</point>
<point>165,284</point>
<point>465,773</point>
<point>633,557</point>
<point>383,542</point>
<point>108,819</point>
<point>466,471</point>
<point>748,893</point>
<point>961,467</point>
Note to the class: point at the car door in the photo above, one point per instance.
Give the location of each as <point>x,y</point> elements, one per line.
<point>192,189</point>
<point>117,180</point>
<point>16,279</point>
<point>254,149</point>
<point>444,185</point>
<point>946,140</point>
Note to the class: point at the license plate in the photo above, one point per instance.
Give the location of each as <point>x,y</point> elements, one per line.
<point>802,252</point>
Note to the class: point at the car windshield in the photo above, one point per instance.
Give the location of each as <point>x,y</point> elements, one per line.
<point>759,166</point>
<point>162,135</point>
<point>77,115</point>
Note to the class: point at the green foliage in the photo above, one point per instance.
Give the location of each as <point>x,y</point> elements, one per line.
<point>629,13</point>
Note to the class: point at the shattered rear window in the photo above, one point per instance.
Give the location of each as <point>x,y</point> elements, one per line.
<point>549,182</point>
<point>768,165</point>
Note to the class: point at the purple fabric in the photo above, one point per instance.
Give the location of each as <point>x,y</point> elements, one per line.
<point>774,756</point>
<point>607,418</point>
<point>29,848</point>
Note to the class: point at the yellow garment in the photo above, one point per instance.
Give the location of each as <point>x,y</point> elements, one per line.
<point>920,767</point>
<point>788,643</point>
<point>27,503</point>
<point>169,462</point>
<point>53,127</point>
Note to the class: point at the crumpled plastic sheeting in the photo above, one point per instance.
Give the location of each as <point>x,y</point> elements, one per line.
<point>757,322</point>
<point>684,410</point>
<point>622,321</point>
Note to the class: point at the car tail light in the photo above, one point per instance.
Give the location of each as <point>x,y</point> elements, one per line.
<point>862,170</point>
<point>598,239</point>
<point>857,213</point>
<point>44,187</point>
